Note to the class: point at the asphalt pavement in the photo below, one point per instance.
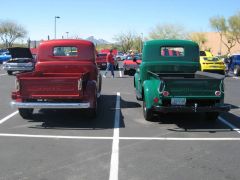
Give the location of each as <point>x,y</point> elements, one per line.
<point>119,143</point>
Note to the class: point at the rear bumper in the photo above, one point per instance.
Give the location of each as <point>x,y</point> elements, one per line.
<point>222,108</point>
<point>128,68</point>
<point>46,105</point>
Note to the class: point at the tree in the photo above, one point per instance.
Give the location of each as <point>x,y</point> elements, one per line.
<point>168,31</point>
<point>234,25</point>
<point>137,43</point>
<point>125,40</point>
<point>199,38</point>
<point>10,31</point>
<point>221,25</point>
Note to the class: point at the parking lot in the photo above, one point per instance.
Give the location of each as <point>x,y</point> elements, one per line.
<point>119,143</point>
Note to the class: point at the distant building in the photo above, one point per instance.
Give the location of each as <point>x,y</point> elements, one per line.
<point>216,46</point>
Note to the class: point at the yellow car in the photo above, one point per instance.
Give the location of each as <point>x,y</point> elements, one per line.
<point>210,63</point>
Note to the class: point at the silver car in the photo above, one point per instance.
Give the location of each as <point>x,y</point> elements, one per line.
<point>22,60</point>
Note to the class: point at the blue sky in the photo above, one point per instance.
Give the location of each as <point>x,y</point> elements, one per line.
<point>107,18</point>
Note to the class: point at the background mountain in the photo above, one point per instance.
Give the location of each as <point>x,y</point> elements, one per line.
<point>97,41</point>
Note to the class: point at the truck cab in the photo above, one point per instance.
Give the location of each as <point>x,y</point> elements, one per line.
<point>65,77</point>
<point>169,80</point>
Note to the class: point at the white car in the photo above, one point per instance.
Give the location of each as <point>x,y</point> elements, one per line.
<point>120,56</point>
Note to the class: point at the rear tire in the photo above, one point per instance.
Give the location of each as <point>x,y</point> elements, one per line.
<point>132,72</point>
<point>92,112</point>
<point>25,113</point>
<point>147,113</point>
<point>9,72</point>
<point>212,116</point>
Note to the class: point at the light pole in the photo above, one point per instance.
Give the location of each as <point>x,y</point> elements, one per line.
<point>141,43</point>
<point>55,24</point>
<point>67,34</point>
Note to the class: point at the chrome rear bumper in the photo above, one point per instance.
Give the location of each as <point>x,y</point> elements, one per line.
<point>47,105</point>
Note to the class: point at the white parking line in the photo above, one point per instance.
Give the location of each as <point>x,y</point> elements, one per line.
<point>234,128</point>
<point>53,137</point>
<point>120,138</point>
<point>120,73</point>
<point>235,77</point>
<point>3,74</point>
<point>8,117</point>
<point>115,145</point>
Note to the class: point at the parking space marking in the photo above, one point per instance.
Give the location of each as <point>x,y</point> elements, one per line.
<point>235,77</point>
<point>54,137</point>
<point>115,144</point>
<point>234,128</point>
<point>3,74</point>
<point>179,139</point>
<point>120,138</point>
<point>8,117</point>
<point>120,73</point>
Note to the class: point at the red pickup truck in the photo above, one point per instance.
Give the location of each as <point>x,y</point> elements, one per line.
<point>65,77</point>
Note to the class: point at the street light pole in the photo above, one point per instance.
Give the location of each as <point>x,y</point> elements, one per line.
<point>67,34</point>
<point>141,47</point>
<point>55,26</point>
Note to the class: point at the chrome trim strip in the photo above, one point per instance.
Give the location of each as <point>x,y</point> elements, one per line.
<point>47,105</point>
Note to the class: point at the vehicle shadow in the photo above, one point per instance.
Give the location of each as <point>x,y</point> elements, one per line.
<point>195,122</point>
<point>77,120</point>
<point>129,104</point>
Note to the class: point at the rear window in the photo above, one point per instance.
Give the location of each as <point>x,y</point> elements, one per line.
<point>202,53</point>
<point>172,51</point>
<point>102,55</point>
<point>65,51</point>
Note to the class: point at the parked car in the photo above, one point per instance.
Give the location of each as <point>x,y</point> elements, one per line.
<point>131,64</point>
<point>101,60</point>
<point>173,83</point>
<point>210,63</point>
<point>21,61</point>
<point>4,56</point>
<point>60,81</point>
<point>120,56</point>
<point>234,64</point>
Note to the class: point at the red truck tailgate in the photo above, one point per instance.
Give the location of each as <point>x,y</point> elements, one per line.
<point>53,86</point>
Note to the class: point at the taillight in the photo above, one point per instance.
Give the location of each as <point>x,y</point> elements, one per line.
<point>17,85</point>
<point>155,100</point>
<point>80,84</point>
<point>165,93</point>
<point>217,93</point>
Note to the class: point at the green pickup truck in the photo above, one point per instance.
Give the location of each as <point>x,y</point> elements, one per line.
<point>168,80</point>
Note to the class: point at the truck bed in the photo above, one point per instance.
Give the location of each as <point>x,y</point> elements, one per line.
<point>51,85</point>
<point>199,84</point>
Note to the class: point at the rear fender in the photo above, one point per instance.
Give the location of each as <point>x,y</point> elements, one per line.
<point>151,91</point>
<point>91,91</point>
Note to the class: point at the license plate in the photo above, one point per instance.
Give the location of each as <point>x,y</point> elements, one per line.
<point>103,64</point>
<point>178,101</point>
